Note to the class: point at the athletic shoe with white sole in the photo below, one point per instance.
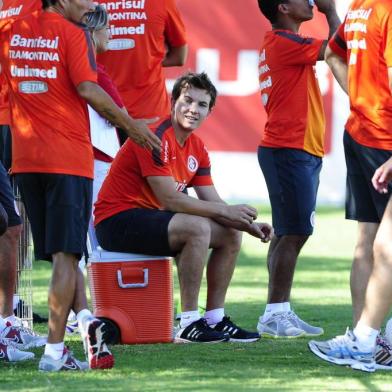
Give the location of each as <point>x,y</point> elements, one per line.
<point>200,332</point>
<point>97,351</point>
<point>9,353</point>
<point>279,326</point>
<point>236,333</point>
<point>66,363</point>
<point>21,337</point>
<point>383,354</point>
<point>344,350</point>
<point>309,330</point>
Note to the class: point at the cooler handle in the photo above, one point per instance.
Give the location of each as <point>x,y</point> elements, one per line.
<point>132,285</point>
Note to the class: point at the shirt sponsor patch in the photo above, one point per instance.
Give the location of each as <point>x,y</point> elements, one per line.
<point>33,87</point>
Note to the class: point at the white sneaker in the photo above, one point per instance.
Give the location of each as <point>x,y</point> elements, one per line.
<point>383,354</point>
<point>344,350</point>
<point>65,363</point>
<point>97,352</point>
<point>279,326</point>
<point>9,353</point>
<point>309,330</point>
<point>21,337</point>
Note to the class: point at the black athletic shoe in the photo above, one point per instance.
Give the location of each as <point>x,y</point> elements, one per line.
<point>199,332</point>
<point>236,333</point>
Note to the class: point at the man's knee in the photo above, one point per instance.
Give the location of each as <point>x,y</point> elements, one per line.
<point>382,250</point>
<point>296,241</point>
<point>233,239</point>
<point>190,228</point>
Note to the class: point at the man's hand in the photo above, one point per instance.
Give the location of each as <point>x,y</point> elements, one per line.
<point>241,213</point>
<point>325,6</point>
<point>383,176</point>
<point>139,132</point>
<point>261,230</point>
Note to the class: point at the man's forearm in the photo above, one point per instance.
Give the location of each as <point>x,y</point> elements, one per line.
<point>333,21</point>
<point>339,68</point>
<point>179,202</point>
<point>103,104</point>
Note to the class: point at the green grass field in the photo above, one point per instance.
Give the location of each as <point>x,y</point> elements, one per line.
<point>320,295</point>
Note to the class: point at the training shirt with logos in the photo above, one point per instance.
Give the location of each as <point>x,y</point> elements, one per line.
<point>290,92</point>
<point>364,39</point>
<point>140,31</point>
<point>45,58</point>
<point>126,185</point>
<point>13,10</point>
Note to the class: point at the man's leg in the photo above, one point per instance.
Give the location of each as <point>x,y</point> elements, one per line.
<point>282,262</point>
<point>292,178</point>
<point>362,266</point>
<point>378,298</point>
<point>61,294</point>
<point>190,235</point>
<point>8,261</point>
<point>225,244</point>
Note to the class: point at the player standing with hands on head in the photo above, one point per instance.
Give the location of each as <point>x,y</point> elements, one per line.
<point>291,149</point>
<point>360,57</point>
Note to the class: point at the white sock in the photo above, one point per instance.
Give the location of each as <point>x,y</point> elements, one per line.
<point>286,307</point>
<point>3,325</point>
<point>55,350</point>
<point>366,336</point>
<point>189,317</point>
<point>270,309</point>
<point>214,316</point>
<point>10,319</point>
<point>82,318</point>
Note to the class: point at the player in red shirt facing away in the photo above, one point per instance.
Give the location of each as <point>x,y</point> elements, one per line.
<point>10,329</point>
<point>143,208</point>
<point>291,149</point>
<point>146,36</point>
<point>360,57</point>
<point>48,61</point>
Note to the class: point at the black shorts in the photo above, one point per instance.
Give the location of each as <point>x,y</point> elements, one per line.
<point>292,178</point>
<point>363,202</point>
<point>5,146</point>
<point>137,230</point>
<point>7,199</point>
<point>59,209</point>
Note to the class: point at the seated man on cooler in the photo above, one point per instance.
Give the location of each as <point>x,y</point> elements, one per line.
<point>142,208</point>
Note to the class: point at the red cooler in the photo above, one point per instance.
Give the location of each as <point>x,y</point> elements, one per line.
<point>135,292</point>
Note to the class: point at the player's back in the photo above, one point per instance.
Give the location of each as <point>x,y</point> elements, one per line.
<point>368,38</point>
<point>45,59</point>
<point>140,31</point>
<point>290,92</point>
<point>9,12</point>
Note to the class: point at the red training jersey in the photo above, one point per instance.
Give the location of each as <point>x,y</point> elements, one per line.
<point>140,31</point>
<point>12,10</point>
<point>126,186</point>
<point>290,92</point>
<point>45,58</point>
<point>365,40</point>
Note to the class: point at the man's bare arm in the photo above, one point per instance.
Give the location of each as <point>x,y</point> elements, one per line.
<point>175,56</point>
<point>327,7</point>
<point>103,104</point>
<point>260,230</point>
<point>164,189</point>
<point>338,67</point>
